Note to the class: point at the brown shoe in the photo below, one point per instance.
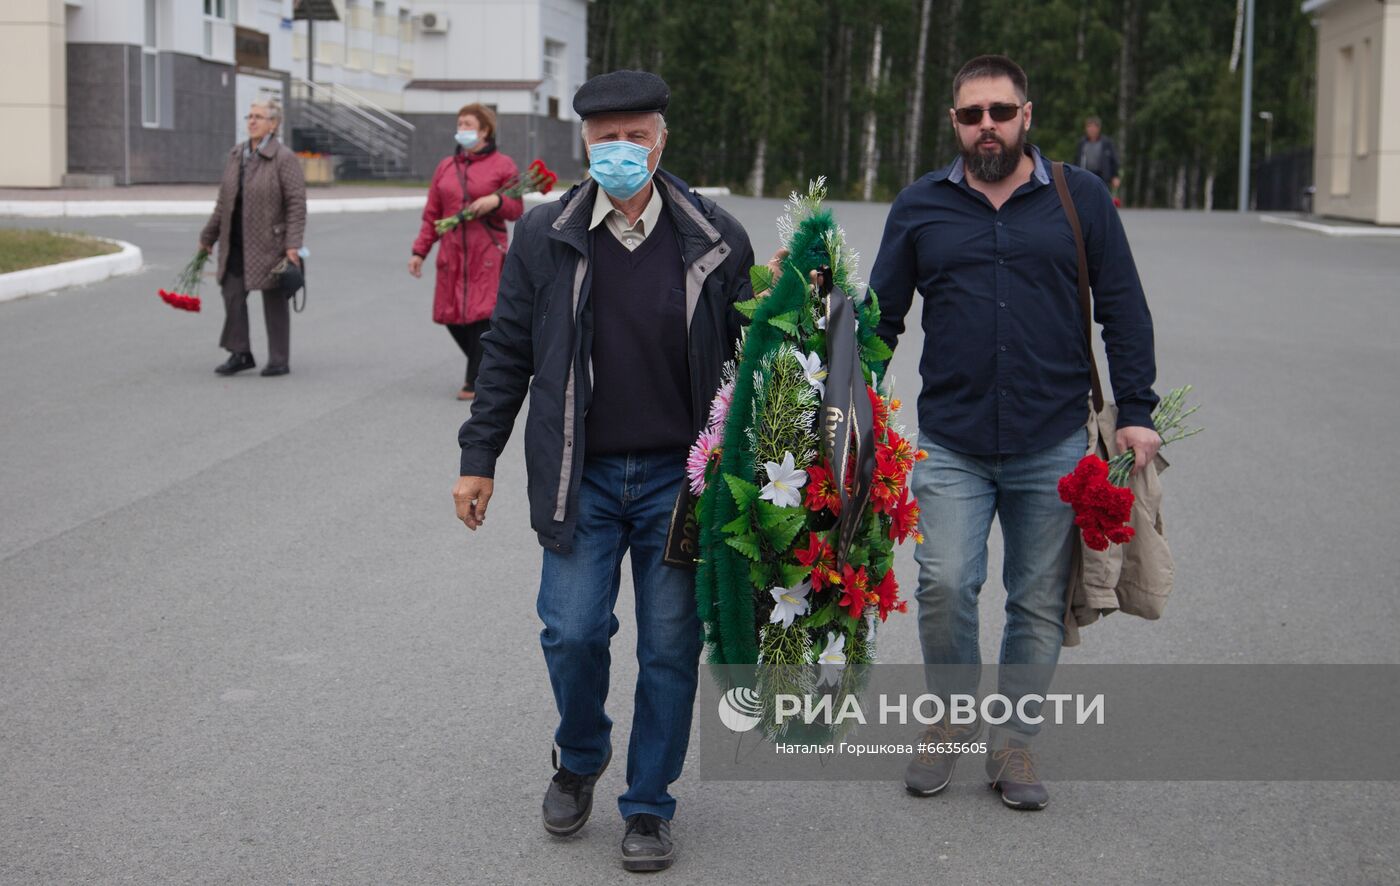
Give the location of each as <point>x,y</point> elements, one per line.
<point>466,394</point>
<point>932,768</point>
<point>1012,771</point>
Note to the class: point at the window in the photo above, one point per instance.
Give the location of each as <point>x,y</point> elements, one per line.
<point>554,85</point>
<point>150,69</point>
<point>1343,121</point>
<point>216,11</point>
<point>358,17</point>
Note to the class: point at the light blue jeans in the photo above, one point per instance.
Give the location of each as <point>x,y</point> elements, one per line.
<point>625,504</point>
<point>958,496</point>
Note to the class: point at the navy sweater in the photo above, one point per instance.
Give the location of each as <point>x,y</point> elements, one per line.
<point>641,377</point>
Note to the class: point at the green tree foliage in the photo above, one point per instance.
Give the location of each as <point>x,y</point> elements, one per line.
<point>771,93</point>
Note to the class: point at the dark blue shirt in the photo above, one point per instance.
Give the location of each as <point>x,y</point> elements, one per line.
<point>1004,368</point>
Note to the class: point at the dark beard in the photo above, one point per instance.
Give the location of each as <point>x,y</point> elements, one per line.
<point>994,167</point>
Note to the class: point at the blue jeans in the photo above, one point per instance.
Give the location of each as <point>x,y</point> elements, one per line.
<point>625,504</point>
<point>958,495</point>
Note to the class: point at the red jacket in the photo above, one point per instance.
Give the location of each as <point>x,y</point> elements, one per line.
<point>470,257</point>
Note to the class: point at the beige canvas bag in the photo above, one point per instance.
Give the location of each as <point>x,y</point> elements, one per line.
<point>1137,577</point>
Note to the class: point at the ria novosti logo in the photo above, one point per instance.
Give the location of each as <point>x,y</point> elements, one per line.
<point>740,709</point>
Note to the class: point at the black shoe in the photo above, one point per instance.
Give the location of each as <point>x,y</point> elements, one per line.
<point>646,844</point>
<point>1012,771</point>
<point>235,363</point>
<point>569,799</point>
<point>276,370</point>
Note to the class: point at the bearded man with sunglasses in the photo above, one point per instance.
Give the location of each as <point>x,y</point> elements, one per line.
<point>1004,402</point>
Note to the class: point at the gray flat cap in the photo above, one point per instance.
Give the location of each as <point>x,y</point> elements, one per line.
<point>622,92</point>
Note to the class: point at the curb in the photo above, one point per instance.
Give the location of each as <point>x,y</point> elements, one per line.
<point>314,206</point>
<point>125,208</point>
<point>1331,230</point>
<point>79,272</point>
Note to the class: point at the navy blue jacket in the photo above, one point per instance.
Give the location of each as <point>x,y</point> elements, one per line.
<point>540,340</point>
<point>1005,369</point>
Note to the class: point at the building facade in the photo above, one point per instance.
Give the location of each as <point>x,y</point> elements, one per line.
<point>525,60</point>
<point>153,91</point>
<point>1357,160</point>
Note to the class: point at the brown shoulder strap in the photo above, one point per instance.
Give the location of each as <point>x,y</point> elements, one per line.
<point>1057,170</point>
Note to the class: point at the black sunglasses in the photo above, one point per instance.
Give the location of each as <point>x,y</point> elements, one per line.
<point>973,115</point>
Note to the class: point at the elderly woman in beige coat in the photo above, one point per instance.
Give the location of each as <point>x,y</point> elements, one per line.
<point>258,222</point>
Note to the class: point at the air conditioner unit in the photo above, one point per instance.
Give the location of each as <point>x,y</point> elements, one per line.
<point>433,22</point>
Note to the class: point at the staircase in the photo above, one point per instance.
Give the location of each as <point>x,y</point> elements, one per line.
<point>368,141</point>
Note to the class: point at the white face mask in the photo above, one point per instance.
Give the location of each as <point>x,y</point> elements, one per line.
<point>467,138</point>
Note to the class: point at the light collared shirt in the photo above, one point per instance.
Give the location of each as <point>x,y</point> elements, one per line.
<point>630,236</point>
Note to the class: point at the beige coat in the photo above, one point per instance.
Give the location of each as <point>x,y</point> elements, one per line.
<point>1134,578</point>
<point>274,211</point>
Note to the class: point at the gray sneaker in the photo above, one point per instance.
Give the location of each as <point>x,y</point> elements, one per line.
<point>1012,771</point>
<point>932,768</point>
<point>646,844</point>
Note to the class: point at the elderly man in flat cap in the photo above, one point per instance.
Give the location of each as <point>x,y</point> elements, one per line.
<point>616,315</point>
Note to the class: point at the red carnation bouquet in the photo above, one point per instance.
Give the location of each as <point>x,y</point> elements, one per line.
<point>1098,490</point>
<point>536,177</point>
<point>184,292</point>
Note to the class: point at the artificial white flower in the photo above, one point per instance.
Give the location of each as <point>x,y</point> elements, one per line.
<point>814,371</point>
<point>832,659</point>
<point>784,481</point>
<point>789,603</point>
<point>821,322</point>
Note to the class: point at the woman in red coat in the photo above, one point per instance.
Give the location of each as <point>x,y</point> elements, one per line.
<point>470,255</point>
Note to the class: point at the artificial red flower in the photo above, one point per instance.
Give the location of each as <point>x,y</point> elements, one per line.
<point>821,490</point>
<point>855,590</point>
<point>905,520</point>
<point>822,559</point>
<point>887,596</point>
<point>1101,509</point>
<point>879,408</point>
<point>887,486</point>
<point>899,451</point>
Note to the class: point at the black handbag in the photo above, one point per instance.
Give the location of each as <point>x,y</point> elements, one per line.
<point>291,279</point>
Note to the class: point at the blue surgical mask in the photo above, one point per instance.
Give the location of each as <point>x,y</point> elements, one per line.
<point>620,167</point>
<point>467,138</point>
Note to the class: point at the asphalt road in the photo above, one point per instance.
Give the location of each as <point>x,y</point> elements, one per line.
<point>243,640</point>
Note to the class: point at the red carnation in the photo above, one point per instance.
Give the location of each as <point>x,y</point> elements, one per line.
<point>1101,510</point>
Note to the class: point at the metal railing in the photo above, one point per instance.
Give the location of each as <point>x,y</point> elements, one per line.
<point>336,120</point>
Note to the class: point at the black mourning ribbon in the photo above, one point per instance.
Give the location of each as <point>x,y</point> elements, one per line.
<point>847,421</point>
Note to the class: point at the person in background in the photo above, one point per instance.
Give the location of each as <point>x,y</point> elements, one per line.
<point>470,255</point>
<point>1098,154</point>
<point>258,222</point>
